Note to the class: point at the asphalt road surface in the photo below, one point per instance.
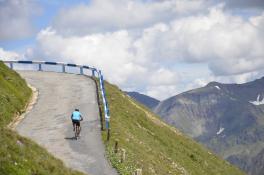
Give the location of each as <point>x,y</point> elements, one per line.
<point>49,123</point>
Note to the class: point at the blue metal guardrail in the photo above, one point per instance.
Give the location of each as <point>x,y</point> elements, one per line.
<point>82,67</point>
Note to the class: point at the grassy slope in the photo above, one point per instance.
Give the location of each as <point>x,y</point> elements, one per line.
<point>153,146</point>
<point>18,155</point>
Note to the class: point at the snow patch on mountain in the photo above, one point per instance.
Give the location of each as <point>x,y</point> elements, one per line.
<point>258,102</point>
<point>217,87</point>
<point>220,130</point>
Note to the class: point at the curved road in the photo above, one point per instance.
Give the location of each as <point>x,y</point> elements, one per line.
<point>49,124</point>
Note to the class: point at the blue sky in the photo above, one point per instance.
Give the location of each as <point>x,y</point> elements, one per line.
<point>48,9</point>
<point>159,48</point>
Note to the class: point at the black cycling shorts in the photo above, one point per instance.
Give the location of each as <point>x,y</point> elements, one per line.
<point>77,122</point>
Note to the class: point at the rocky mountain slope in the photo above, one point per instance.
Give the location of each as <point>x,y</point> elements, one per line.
<point>227,118</point>
<point>148,101</point>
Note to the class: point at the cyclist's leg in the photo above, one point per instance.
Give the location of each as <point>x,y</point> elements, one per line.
<point>76,131</point>
<point>78,128</point>
<point>79,131</point>
<point>73,125</point>
<point>75,128</point>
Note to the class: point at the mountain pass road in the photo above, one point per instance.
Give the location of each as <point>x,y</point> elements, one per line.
<point>49,123</point>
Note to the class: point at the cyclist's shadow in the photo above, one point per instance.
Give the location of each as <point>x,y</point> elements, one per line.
<point>70,138</point>
<point>88,124</point>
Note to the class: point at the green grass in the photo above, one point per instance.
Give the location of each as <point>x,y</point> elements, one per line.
<point>153,146</point>
<point>18,155</point>
<point>14,94</point>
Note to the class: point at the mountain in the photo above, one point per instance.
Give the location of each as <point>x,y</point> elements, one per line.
<point>227,118</point>
<point>148,101</point>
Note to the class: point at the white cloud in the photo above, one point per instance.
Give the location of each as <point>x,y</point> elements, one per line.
<point>239,79</point>
<point>162,92</point>
<point>8,55</point>
<point>229,44</point>
<point>15,19</point>
<point>112,15</point>
<point>108,51</point>
<point>163,76</point>
<point>111,52</point>
<point>199,82</point>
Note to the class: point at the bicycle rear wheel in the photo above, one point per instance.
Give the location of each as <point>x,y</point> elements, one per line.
<point>75,131</point>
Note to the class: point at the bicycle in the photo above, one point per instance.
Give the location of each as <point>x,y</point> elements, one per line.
<point>77,130</point>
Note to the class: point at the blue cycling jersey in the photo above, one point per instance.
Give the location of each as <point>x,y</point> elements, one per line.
<point>76,115</point>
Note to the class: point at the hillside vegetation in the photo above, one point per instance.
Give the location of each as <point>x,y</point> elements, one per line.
<point>153,146</point>
<point>18,155</point>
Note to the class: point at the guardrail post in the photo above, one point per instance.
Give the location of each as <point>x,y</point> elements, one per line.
<point>123,155</point>
<point>39,67</point>
<point>138,172</point>
<point>63,68</point>
<point>116,146</point>
<point>11,65</point>
<point>108,134</point>
<point>107,124</point>
<point>93,72</point>
<point>107,127</point>
<point>81,70</point>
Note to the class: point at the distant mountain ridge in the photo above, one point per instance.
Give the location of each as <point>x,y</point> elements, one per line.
<point>227,118</point>
<point>148,101</point>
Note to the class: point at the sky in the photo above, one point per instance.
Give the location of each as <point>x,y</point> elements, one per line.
<point>156,47</point>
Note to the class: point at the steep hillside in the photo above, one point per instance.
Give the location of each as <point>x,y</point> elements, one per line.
<point>227,118</point>
<point>148,101</point>
<point>18,155</point>
<point>152,145</point>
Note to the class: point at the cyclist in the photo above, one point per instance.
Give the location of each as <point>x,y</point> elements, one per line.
<point>76,118</point>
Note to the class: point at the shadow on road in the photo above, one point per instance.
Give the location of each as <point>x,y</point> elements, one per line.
<point>70,138</point>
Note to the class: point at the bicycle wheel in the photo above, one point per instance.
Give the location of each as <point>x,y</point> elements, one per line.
<point>75,131</point>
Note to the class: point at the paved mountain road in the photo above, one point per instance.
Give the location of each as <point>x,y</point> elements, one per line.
<point>49,124</point>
